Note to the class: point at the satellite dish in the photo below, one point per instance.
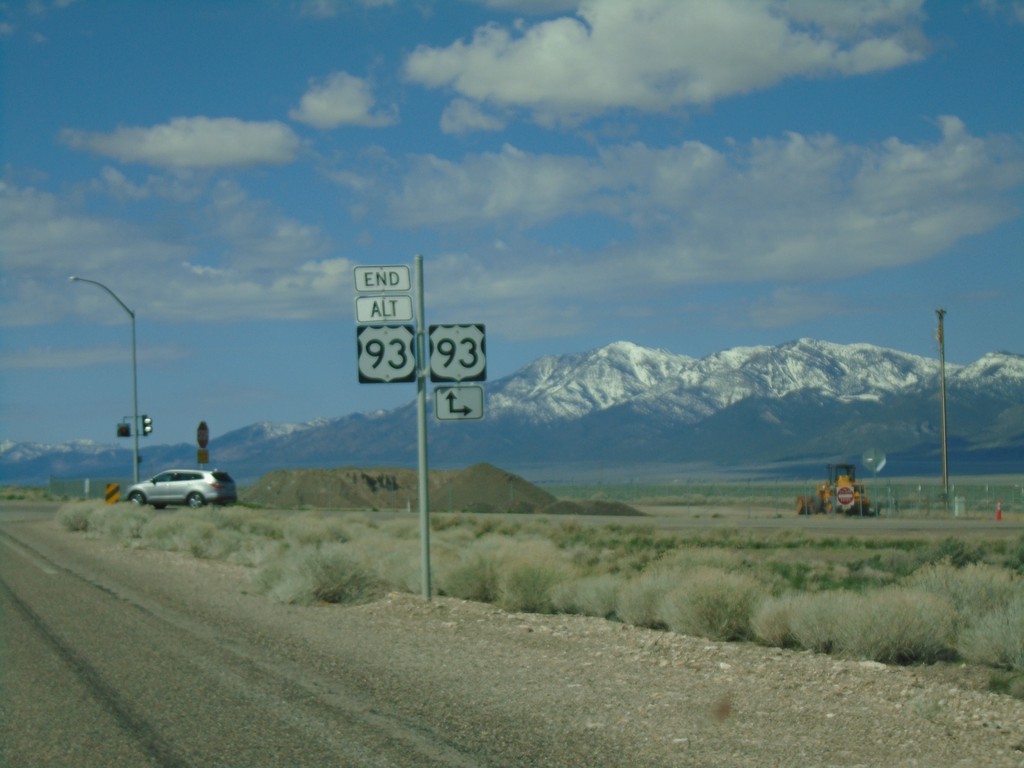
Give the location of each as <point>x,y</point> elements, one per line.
<point>874,460</point>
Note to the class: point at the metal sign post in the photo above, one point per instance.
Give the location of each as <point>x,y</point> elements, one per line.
<point>421,430</point>
<point>388,351</point>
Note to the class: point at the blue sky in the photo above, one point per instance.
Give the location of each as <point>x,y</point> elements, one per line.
<point>683,174</point>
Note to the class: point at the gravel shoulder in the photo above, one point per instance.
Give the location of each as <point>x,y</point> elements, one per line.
<point>523,689</point>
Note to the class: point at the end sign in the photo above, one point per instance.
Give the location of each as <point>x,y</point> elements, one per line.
<point>382,279</point>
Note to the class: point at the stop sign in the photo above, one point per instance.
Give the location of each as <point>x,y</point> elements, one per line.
<point>203,434</point>
<point>844,495</point>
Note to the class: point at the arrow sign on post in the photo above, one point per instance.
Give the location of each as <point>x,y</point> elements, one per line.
<point>458,403</point>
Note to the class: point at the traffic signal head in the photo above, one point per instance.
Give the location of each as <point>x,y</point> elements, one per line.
<point>124,430</point>
<point>147,425</point>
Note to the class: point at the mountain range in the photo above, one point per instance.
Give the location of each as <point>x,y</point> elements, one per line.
<point>625,409</point>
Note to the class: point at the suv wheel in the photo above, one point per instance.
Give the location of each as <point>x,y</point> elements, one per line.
<point>137,498</point>
<point>195,500</point>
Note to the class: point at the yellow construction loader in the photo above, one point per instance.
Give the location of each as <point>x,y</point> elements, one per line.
<point>839,493</point>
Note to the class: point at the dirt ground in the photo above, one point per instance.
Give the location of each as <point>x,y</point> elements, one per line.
<point>520,689</point>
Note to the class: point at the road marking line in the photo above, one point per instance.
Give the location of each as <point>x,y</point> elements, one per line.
<point>40,564</point>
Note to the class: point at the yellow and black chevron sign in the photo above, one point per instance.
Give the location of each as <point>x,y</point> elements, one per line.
<point>113,493</point>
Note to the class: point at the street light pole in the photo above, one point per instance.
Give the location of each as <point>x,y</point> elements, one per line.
<point>135,379</point>
<point>942,401</point>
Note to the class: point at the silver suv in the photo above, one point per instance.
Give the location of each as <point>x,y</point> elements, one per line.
<point>194,487</point>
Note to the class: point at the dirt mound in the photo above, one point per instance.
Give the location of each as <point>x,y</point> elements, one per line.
<point>342,488</point>
<point>479,488</point>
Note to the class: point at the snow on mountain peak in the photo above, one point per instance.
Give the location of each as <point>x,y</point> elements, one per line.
<point>570,386</point>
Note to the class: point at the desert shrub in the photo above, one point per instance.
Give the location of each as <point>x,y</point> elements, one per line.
<point>712,603</point>
<point>402,528</point>
<point>1015,557</point>
<point>527,573</point>
<point>190,532</point>
<point>997,638</point>
<point>166,531</point>
<point>890,624</point>
<point>474,577</point>
<point>974,590</point>
<point>396,562</point>
<point>954,551</point>
<point>690,558</point>
<point>255,552</point>
<point>469,569</point>
<point>315,528</point>
<point>815,618</point>
<point>75,516</point>
<point>898,625</point>
<point>772,621</point>
<point>123,521</point>
<point>594,595</point>
<point>1007,682</point>
<point>325,573</point>
<point>262,526</point>
<point>639,599</point>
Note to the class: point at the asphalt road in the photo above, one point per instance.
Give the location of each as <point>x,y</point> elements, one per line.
<point>107,668</point>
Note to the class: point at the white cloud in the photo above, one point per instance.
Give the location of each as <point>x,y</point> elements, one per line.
<point>462,116</point>
<point>342,99</point>
<point>495,186</point>
<point>328,9</point>
<point>84,357</point>
<point>661,54</point>
<point>253,236</point>
<point>176,188</point>
<point>791,305</point>
<point>1010,9</point>
<point>531,6</point>
<point>194,142</point>
<point>795,208</point>
<point>44,238</point>
<point>233,257</point>
<point>45,241</point>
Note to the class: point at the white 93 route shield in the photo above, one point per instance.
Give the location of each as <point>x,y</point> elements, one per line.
<point>458,353</point>
<point>387,353</point>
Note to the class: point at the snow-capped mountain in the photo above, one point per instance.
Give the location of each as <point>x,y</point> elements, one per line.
<point>801,403</point>
<point>572,386</point>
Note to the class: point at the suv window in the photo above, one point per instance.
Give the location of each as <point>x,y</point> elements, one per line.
<point>224,477</point>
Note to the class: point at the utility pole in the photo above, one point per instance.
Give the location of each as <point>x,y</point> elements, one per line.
<point>942,400</point>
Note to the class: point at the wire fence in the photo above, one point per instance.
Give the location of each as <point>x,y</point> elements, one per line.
<point>84,487</point>
<point>892,498</point>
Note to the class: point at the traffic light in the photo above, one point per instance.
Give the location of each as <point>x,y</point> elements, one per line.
<point>124,430</point>
<point>147,425</point>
